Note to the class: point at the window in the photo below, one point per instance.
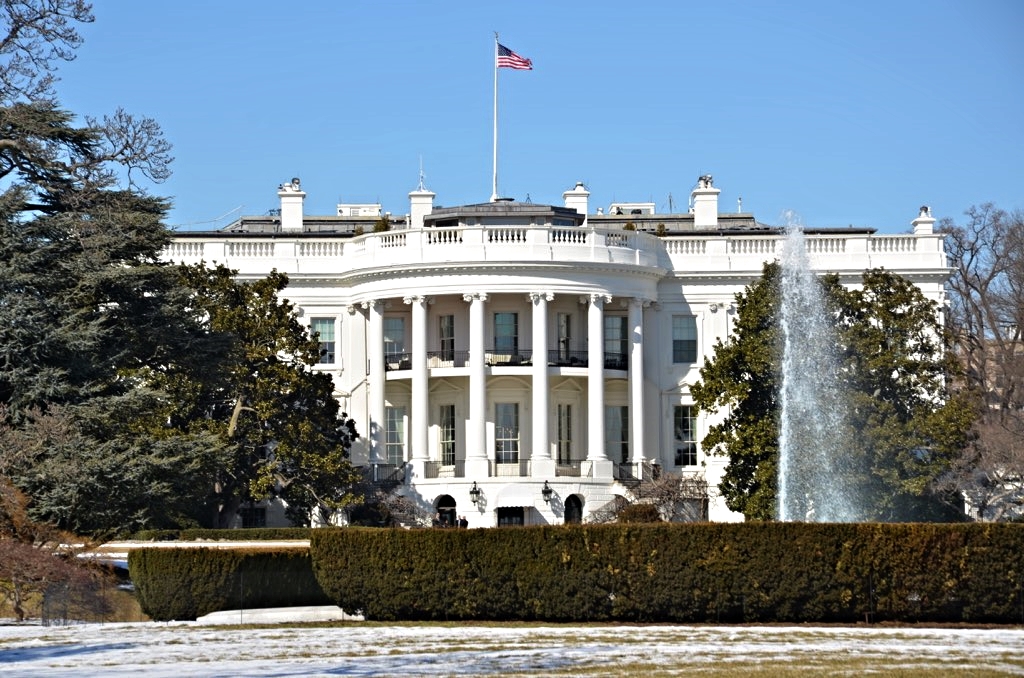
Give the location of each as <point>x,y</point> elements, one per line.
<point>684,339</point>
<point>564,322</point>
<point>394,435</point>
<point>506,433</point>
<point>324,329</point>
<point>394,337</point>
<point>506,333</point>
<point>447,331</point>
<point>564,433</point>
<point>685,426</point>
<point>615,342</point>
<point>616,433</point>
<point>447,441</point>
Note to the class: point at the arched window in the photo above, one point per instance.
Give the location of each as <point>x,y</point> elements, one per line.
<point>573,510</point>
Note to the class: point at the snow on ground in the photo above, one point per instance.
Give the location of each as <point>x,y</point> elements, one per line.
<point>177,649</point>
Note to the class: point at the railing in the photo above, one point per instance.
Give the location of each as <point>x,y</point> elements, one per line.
<point>572,469</point>
<point>437,469</point>
<point>397,361</point>
<point>384,474</point>
<point>516,469</point>
<point>566,358</point>
<point>540,243</point>
<point>447,358</point>
<point>522,356</point>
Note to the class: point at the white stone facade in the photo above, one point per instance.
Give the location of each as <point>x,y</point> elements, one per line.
<point>512,347</point>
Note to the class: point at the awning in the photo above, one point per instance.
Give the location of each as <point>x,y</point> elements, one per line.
<point>511,496</point>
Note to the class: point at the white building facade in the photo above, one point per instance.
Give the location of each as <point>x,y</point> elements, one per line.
<point>516,363</point>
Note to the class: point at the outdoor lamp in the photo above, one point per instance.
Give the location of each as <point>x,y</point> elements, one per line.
<point>474,493</point>
<point>546,492</point>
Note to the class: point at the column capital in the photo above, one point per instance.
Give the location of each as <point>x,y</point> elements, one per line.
<point>372,303</point>
<point>534,297</point>
<point>641,302</point>
<point>415,299</point>
<point>596,297</point>
<point>471,296</point>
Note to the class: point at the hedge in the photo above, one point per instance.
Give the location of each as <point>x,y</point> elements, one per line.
<point>208,534</point>
<point>186,583</point>
<point>750,572</point>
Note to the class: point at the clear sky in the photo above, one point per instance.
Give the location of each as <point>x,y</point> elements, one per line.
<point>842,113</point>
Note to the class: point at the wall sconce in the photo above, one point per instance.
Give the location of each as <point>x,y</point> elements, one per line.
<point>546,492</point>
<point>474,493</point>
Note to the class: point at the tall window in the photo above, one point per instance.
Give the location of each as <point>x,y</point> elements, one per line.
<point>394,434</point>
<point>616,433</point>
<point>684,339</point>
<point>324,328</point>
<point>506,333</point>
<point>447,331</point>
<point>615,341</point>
<point>564,433</point>
<point>685,426</point>
<point>394,337</point>
<point>447,441</point>
<point>564,322</point>
<point>506,433</point>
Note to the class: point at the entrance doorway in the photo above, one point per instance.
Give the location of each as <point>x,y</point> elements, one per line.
<point>446,516</point>
<point>573,510</point>
<point>511,515</point>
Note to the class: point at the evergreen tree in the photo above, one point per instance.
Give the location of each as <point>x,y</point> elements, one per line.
<point>905,426</point>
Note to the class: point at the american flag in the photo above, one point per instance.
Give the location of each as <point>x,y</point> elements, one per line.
<point>509,59</point>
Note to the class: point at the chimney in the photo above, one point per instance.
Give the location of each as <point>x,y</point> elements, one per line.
<point>577,198</point>
<point>705,203</point>
<point>421,203</point>
<point>924,224</point>
<point>291,206</point>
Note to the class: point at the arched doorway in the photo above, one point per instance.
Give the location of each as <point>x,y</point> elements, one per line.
<point>445,516</point>
<point>573,510</point>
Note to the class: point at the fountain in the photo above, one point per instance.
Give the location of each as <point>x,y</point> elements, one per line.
<point>814,483</point>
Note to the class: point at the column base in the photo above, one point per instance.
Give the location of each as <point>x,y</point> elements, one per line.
<point>602,468</point>
<point>542,468</point>
<point>477,469</point>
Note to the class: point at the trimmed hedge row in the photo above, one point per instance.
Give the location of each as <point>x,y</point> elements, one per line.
<point>247,534</point>
<point>750,572</point>
<point>186,583</point>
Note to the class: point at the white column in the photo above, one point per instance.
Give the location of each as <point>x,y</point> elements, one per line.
<point>596,452</point>
<point>636,380</point>
<point>542,464</point>
<point>476,435</point>
<point>376,381</point>
<point>419,439</point>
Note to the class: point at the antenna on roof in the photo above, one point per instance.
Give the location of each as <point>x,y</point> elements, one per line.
<point>421,187</point>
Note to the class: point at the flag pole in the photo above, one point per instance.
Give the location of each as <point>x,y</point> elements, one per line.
<point>494,191</point>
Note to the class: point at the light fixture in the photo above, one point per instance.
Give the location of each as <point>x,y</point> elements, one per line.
<point>474,493</point>
<point>546,492</point>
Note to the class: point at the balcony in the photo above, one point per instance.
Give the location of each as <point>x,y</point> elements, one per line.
<point>340,257</point>
<point>437,469</point>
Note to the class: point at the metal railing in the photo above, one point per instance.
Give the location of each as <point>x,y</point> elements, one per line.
<point>437,469</point>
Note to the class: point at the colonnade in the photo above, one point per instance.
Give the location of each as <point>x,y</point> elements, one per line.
<point>477,456</point>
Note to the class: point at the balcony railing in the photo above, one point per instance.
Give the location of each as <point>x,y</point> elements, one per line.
<point>496,358</point>
<point>384,474</point>
<point>397,361</point>
<point>437,469</point>
<point>577,468</point>
<point>447,358</point>
<point>516,469</point>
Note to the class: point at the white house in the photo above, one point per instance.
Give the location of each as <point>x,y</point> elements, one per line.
<point>517,363</point>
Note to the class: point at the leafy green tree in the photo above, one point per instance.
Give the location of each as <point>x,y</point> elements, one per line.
<point>279,424</point>
<point>896,368</point>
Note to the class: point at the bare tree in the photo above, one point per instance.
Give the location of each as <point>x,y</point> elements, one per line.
<point>34,34</point>
<point>986,316</point>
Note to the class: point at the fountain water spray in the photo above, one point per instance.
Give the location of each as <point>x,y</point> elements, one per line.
<point>813,484</point>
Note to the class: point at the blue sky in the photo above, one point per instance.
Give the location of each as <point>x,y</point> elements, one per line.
<point>842,113</point>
